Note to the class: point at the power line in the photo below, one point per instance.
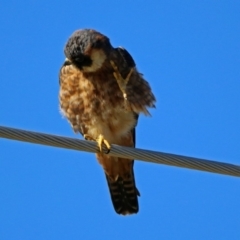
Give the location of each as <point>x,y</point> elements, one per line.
<point>119,151</point>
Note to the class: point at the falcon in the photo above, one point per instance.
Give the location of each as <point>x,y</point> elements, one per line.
<point>101,94</point>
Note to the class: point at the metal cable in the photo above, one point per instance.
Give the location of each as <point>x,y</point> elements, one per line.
<point>119,151</point>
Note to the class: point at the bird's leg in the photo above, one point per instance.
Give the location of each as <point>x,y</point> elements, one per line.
<point>122,83</point>
<point>120,80</point>
<point>100,141</point>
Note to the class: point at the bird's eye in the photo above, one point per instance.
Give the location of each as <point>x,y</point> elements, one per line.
<point>97,44</point>
<point>77,50</point>
<point>79,58</point>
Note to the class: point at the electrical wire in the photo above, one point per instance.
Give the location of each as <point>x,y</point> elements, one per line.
<point>120,151</point>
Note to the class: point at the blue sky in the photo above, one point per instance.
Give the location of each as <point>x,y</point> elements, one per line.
<point>189,51</point>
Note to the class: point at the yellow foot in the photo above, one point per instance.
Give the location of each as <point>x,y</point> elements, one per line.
<point>122,83</point>
<point>101,140</point>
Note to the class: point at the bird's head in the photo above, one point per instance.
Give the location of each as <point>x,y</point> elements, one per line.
<point>87,49</point>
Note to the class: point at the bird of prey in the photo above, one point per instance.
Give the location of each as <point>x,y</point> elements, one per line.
<point>102,94</point>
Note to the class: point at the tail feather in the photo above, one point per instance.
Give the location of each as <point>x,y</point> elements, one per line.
<point>124,194</point>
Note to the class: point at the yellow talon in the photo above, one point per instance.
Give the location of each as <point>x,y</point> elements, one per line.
<point>101,140</point>
<point>88,137</point>
<point>122,83</point>
<point>120,80</point>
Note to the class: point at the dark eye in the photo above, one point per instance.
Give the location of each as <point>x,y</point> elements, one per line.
<point>97,44</point>
<point>79,58</point>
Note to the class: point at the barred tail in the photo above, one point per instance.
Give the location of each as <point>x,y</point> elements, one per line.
<point>124,194</point>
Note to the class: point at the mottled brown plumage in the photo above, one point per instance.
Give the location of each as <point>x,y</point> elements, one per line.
<point>91,99</point>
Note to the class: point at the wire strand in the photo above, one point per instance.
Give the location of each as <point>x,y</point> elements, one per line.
<point>119,151</point>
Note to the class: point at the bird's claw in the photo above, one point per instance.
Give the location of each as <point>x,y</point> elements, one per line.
<point>88,137</point>
<point>122,83</point>
<point>120,80</point>
<point>101,140</point>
